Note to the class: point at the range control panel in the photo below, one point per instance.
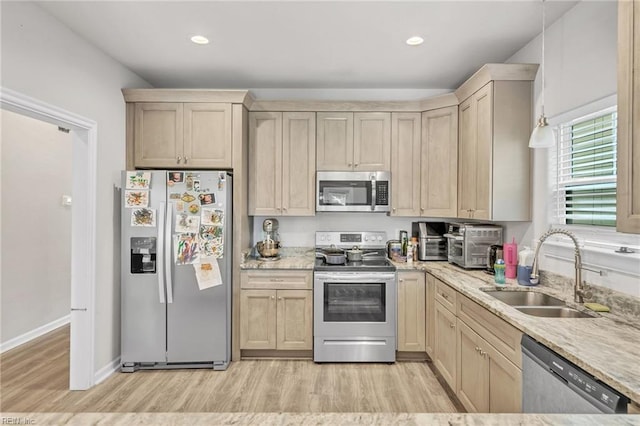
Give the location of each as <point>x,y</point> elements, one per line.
<point>361,239</point>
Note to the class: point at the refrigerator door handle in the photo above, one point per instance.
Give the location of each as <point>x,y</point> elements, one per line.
<point>161,233</point>
<point>167,251</point>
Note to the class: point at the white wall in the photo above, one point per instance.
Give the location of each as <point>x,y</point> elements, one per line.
<point>580,68</point>
<point>36,228</point>
<point>43,59</point>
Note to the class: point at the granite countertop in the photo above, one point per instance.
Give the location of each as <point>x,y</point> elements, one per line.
<point>607,346</point>
<point>289,258</point>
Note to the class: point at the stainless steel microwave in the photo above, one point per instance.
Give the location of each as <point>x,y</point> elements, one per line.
<point>353,191</point>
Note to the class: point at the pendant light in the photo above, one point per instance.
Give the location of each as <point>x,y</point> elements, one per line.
<point>542,135</point>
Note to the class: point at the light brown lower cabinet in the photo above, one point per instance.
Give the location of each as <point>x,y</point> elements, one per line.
<point>466,335</point>
<point>430,314</point>
<point>445,344</point>
<point>487,382</point>
<point>276,310</point>
<point>411,313</point>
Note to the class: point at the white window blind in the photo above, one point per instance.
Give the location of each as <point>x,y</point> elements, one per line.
<point>585,189</point>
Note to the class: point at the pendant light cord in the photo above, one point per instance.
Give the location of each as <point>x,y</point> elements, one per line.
<point>542,59</point>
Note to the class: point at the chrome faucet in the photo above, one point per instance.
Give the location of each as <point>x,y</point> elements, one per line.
<point>578,289</point>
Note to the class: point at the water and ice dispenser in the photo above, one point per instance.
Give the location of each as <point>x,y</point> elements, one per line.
<point>143,255</point>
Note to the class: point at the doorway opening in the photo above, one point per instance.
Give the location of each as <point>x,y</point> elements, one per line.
<point>83,133</point>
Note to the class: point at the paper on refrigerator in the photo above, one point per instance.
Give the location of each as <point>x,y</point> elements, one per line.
<point>208,273</point>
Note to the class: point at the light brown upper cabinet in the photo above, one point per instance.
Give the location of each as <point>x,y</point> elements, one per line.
<point>493,156</point>
<point>424,163</point>
<point>353,141</point>
<point>628,191</point>
<point>439,163</point>
<point>282,163</point>
<point>182,135</point>
<point>405,164</point>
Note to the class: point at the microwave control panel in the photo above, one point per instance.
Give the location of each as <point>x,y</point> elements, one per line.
<point>382,193</point>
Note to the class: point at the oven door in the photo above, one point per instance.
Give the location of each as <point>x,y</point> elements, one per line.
<point>354,316</point>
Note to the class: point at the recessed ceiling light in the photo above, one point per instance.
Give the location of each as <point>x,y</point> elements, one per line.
<point>415,41</point>
<point>198,39</point>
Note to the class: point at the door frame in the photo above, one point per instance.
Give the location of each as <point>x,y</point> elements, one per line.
<point>83,227</point>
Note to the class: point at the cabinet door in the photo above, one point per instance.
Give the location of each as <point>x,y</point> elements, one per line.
<point>207,135</point>
<point>298,163</point>
<point>265,163</point>
<point>467,159</point>
<point>445,345</point>
<point>372,141</point>
<point>257,319</point>
<point>439,163</point>
<point>158,134</point>
<point>483,99</point>
<point>295,319</point>
<point>430,314</point>
<point>411,311</point>
<point>473,370</point>
<point>628,193</point>
<point>505,383</point>
<point>405,164</point>
<point>334,141</point>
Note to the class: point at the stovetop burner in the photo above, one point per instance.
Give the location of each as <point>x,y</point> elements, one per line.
<point>372,245</point>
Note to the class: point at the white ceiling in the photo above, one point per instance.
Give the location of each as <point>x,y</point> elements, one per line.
<point>307,44</point>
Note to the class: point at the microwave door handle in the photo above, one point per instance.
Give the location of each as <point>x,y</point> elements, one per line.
<point>373,192</point>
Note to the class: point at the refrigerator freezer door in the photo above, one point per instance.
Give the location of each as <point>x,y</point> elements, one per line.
<point>198,323</point>
<point>143,316</point>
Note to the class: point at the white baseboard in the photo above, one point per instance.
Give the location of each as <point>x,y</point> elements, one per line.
<point>35,333</point>
<point>107,370</point>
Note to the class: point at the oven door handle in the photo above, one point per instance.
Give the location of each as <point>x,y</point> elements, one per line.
<point>359,279</point>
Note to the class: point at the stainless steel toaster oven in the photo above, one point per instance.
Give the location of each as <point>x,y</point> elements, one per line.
<point>467,243</point>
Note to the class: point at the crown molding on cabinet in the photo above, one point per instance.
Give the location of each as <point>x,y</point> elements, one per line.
<point>489,72</point>
<point>189,95</point>
<point>440,101</point>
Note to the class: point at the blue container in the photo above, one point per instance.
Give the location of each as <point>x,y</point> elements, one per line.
<point>524,274</point>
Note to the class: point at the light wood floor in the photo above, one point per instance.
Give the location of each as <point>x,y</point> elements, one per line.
<point>35,378</point>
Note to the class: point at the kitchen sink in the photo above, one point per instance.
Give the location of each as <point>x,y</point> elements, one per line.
<point>554,312</point>
<point>525,298</point>
<point>537,304</point>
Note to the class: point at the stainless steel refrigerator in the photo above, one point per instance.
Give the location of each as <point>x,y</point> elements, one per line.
<point>176,269</point>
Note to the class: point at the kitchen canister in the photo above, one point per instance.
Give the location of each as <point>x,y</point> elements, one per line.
<point>510,251</point>
<point>525,262</point>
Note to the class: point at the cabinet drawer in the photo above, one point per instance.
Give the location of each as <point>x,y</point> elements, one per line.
<point>503,336</point>
<point>276,279</point>
<point>446,295</point>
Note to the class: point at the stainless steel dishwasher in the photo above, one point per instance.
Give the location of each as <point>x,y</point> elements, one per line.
<point>551,384</point>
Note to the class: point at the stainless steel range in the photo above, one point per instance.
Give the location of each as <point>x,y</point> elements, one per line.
<point>354,303</point>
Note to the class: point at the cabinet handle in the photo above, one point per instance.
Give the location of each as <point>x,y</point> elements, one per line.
<point>421,209</point>
<point>477,349</point>
<point>179,159</point>
<point>279,298</point>
<point>446,296</point>
<point>393,209</point>
<point>356,165</point>
<point>452,325</point>
<point>401,280</point>
<point>186,159</point>
<point>284,208</point>
<point>348,164</point>
<point>273,297</point>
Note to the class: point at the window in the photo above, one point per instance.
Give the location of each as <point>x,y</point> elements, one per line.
<point>585,169</point>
